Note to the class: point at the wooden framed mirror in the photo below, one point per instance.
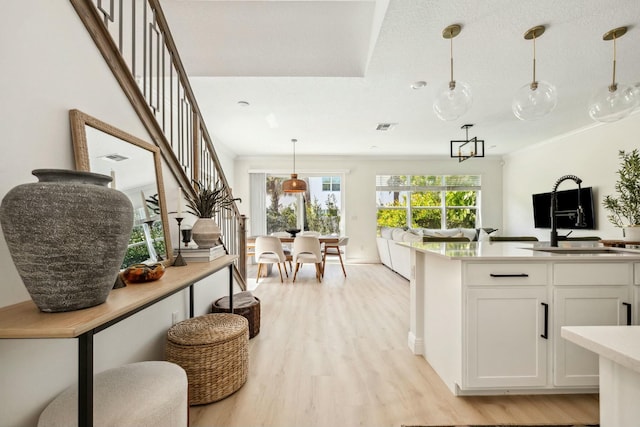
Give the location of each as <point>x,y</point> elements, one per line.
<point>136,170</point>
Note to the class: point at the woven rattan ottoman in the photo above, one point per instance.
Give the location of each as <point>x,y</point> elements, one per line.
<point>213,350</point>
<point>246,305</point>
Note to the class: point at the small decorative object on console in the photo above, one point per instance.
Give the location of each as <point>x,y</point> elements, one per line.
<point>138,273</point>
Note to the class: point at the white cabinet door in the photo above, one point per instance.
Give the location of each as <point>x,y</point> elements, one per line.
<point>584,306</point>
<point>502,337</point>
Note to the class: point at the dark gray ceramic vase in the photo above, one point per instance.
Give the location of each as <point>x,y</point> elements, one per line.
<point>67,235</point>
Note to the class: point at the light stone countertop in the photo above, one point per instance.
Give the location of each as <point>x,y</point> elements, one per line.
<point>511,251</point>
<point>620,344</point>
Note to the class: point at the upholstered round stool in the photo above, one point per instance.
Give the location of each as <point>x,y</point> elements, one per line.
<point>244,304</point>
<point>213,350</point>
<point>145,394</point>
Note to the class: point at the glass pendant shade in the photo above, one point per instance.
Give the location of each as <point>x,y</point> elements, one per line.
<point>538,98</point>
<point>609,106</point>
<point>450,104</point>
<point>616,101</point>
<point>534,101</point>
<point>453,99</point>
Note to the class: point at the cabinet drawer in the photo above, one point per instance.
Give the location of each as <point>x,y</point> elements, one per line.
<point>600,273</point>
<point>505,274</point>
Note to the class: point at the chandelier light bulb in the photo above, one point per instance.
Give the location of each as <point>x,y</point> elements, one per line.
<point>616,101</point>
<point>538,98</point>
<point>453,99</point>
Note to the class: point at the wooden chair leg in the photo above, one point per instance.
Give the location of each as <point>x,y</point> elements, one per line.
<point>259,270</point>
<point>319,272</point>
<point>284,264</point>
<point>324,260</point>
<point>341,263</point>
<point>296,272</point>
<point>280,271</point>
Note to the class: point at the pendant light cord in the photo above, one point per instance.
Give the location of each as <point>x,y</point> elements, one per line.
<point>614,86</point>
<point>452,83</point>
<point>294,154</point>
<point>534,83</point>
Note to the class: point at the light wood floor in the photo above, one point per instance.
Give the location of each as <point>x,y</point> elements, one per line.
<point>335,354</point>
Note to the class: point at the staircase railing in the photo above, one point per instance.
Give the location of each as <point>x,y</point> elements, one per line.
<point>134,38</point>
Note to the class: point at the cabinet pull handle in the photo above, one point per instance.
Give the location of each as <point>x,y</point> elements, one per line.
<point>545,335</point>
<point>508,275</point>
<point>628,312</point>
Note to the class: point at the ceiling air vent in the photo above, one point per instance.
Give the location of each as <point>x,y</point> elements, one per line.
<point>115,157</point>
<point>386,126</point>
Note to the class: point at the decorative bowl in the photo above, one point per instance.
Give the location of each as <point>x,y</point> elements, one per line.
<point>143,272</point>
<point>293,232</point>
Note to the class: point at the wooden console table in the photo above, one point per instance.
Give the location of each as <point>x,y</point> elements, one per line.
<point>25,320</point>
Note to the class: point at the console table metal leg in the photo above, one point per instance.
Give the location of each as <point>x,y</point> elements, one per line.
<point>190,301</point>
<point>230,288</point>
<point>85,379</point>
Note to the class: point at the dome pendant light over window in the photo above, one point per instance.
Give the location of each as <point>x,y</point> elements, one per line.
<point>537,98</point>
<point>294,185</point>
<point>454,98</point>
<point>615,101</point>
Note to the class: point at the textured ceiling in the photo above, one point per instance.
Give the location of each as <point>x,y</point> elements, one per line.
<point>327,72</point>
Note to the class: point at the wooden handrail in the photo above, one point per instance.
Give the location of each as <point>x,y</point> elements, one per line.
<point>170,114</point>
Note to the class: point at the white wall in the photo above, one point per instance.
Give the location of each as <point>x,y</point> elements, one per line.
<point>50,66</point>
<point>360,188</point>
<point>590,154</point>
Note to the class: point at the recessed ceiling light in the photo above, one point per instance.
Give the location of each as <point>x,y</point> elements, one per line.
<point>243,103</point>
<point>373,147</point>
<point>418,85</point>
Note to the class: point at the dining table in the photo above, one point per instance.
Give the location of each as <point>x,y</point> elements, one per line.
<point>251,240</point>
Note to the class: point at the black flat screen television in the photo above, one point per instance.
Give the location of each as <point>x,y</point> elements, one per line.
<point>567,200</point>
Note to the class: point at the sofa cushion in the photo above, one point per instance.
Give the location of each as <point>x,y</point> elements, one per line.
<point>398,234</point>
<point>411,237</point>
<point>453,232</point>
<point>469,233</point>
<point>385,232</point>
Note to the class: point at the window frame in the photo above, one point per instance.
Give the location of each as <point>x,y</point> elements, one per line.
<point>404,184</point>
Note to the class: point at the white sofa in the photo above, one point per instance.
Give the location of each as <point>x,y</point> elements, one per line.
<point>397,257</point>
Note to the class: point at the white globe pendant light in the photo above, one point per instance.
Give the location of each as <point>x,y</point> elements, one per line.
<point>538,98</point>
<point>453,99</point>
<point>616,101</point>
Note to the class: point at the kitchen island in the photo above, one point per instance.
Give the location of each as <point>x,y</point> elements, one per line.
<point>487,315</point>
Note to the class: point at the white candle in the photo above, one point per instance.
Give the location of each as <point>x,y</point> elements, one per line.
<point>113,179</point>
<point>179,202</point>
<point>146,209</point>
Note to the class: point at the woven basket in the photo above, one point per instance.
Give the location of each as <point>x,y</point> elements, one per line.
<point>213,350</point>
<point>251,313</point>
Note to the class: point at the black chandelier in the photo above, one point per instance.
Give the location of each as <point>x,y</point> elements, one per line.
<point>467,148</point>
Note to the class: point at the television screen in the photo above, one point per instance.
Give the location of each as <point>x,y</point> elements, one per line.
<point>567,200</point>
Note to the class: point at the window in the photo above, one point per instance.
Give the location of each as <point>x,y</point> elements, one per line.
<point>318,209</point>
<point>330,183</point>
<point>428,201</point>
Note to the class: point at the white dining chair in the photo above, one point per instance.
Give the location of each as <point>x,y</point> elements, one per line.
<point>286,247</point>
<point>306,249</point>
<point>269,251</point>
<point>335,249</point>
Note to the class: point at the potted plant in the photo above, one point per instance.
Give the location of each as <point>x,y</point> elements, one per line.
<point>205,203</point>
<point>625,207</point>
